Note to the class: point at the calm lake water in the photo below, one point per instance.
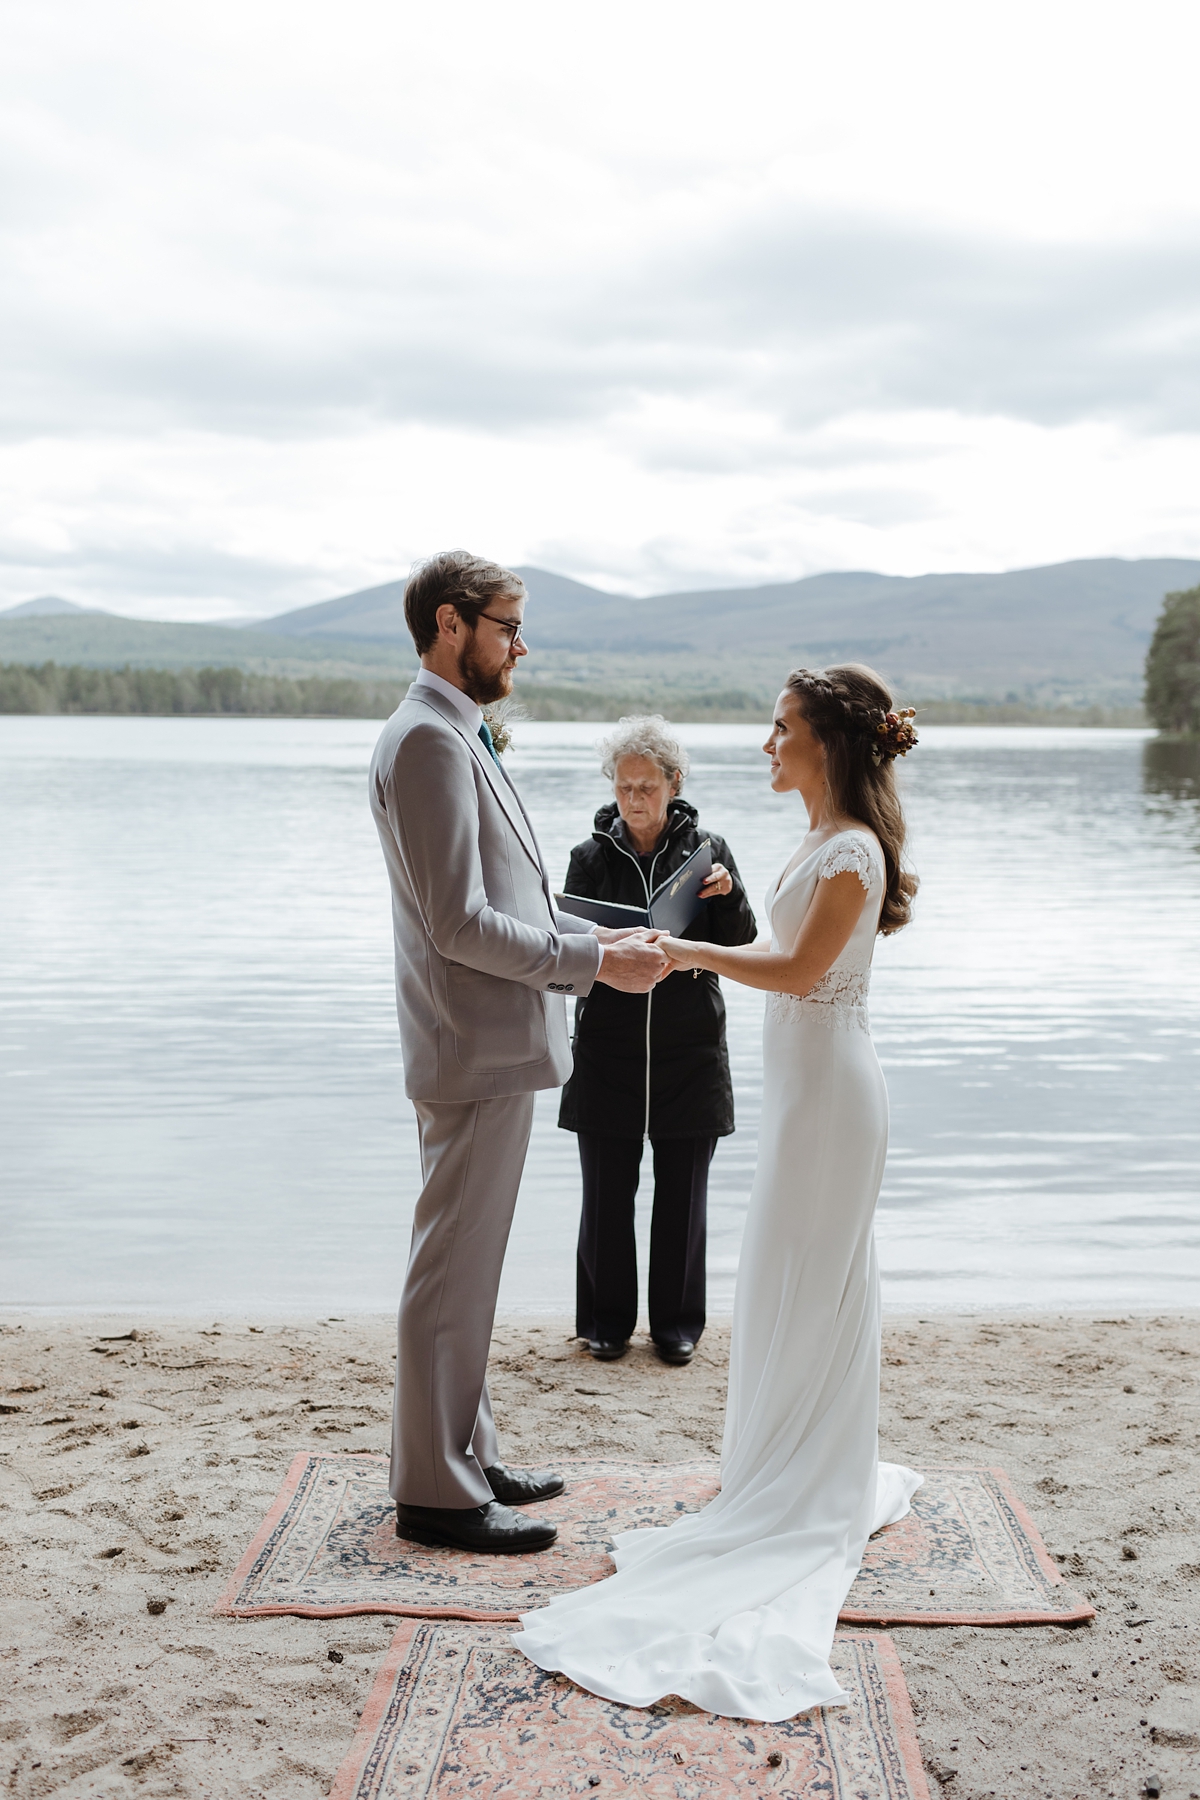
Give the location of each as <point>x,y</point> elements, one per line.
<point>202,1092</point>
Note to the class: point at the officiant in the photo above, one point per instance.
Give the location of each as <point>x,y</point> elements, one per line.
<point>649,1067</point>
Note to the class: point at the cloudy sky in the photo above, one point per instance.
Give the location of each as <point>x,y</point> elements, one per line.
<point>655,294</point>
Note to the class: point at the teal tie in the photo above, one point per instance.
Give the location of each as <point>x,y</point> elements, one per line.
<point>485,738</point>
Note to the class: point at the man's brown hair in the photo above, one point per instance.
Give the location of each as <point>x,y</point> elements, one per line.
<point>454,578</point>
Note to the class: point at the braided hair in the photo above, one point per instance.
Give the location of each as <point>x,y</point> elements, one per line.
<point>850,710</point>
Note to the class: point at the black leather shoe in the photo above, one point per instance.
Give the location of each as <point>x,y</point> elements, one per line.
<point>682,1352</point>
<point>491,1530</point>
<point>517,1487</point>
<point>606,1349</point>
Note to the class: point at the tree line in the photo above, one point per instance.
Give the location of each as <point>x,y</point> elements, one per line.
<point>49,688</point>
<point>1173,666</point>
<point>72,688</point>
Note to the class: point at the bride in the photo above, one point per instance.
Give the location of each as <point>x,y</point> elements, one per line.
<point>734,1607</point>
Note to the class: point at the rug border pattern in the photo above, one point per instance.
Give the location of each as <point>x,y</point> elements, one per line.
<point>889,1672</point>
<point>347,1783</point>
<point>1077,1613</point>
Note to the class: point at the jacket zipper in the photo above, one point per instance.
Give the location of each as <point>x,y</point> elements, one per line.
<point>650,996</point>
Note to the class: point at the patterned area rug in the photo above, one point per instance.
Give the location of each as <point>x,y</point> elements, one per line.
<point>968,1553</point>
<point>457,1714</point>
<point>329,1546</point>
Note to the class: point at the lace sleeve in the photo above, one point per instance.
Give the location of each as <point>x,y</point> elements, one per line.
<point>852,853</point>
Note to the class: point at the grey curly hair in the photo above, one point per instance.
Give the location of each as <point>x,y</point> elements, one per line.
<point>644,734</point>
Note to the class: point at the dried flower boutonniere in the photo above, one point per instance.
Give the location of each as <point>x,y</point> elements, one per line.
<point>501,716</point>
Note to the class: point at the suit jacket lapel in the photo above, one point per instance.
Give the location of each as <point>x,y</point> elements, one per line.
<point>512,788</point>
<point>501,786</point>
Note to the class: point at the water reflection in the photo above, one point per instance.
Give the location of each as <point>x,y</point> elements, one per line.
<point>1171,771</point>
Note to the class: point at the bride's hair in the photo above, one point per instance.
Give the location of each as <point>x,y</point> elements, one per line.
<point>848,708</point>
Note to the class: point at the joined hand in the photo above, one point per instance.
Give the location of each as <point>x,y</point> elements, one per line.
<point>633,962</point>
<point>680,954</point>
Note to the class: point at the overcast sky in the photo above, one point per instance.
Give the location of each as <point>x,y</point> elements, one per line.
<point>653,294</point>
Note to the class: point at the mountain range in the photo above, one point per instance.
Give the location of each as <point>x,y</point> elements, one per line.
<point>1076,631</point>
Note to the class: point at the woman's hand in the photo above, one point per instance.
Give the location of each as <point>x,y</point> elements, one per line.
<point>826,930</point>
<point>680,954</point>
<point>719,883</point>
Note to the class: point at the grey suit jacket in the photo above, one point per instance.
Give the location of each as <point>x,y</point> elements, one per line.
<point>484,959</point>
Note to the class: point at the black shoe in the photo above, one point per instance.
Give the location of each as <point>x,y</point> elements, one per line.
<point>491,1530</point>
<point>607,1349</point>
<point>517,1487</point>
<point>681,1352</point>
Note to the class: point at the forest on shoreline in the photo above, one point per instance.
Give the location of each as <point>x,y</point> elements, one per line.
<point>52,688</point>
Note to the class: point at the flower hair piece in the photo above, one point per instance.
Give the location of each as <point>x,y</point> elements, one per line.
<point>895,735</point>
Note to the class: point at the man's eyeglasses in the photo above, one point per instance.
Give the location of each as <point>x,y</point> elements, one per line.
<point>515,633</point>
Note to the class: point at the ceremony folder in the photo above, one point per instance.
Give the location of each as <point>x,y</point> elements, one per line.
<point>672,906</point>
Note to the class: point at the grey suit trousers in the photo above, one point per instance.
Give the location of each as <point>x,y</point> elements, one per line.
<point>443,1437</point>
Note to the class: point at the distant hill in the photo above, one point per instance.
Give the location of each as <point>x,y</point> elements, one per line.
<point>563,609</point>
<point>1068,628</point>
<point>104,641</point>
<point>1063,626</point>
<point>47,607</point>
<point>1073,631</point>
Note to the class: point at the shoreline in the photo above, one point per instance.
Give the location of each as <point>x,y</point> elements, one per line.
<point>135,1471</point>
<point>1099,1311</point>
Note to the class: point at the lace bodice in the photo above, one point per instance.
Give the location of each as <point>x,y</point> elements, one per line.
<point>839,999</point>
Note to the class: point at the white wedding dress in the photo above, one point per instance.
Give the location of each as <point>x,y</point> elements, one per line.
<point>734,1607</point>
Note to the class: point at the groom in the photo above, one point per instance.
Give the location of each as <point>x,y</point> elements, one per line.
<point>483,962</point>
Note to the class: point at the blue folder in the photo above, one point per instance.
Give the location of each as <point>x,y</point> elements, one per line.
<point>673,905</point>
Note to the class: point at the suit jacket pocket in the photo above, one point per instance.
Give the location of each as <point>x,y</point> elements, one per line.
<point>497,1024</point>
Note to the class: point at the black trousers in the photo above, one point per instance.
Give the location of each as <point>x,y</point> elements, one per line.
<point>606,1264</point>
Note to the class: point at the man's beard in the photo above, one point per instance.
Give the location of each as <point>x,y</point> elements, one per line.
<point>478,684</point>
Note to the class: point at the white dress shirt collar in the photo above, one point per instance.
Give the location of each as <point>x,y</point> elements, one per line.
<point>464,703</point>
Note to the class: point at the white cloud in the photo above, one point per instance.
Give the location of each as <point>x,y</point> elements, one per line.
<point>655,296</point>
<point>197,525</point>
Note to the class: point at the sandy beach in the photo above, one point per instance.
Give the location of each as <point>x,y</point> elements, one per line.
<point>140,1455</point>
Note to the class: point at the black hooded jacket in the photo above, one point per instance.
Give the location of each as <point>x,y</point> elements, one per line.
<point>679,1027</point>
